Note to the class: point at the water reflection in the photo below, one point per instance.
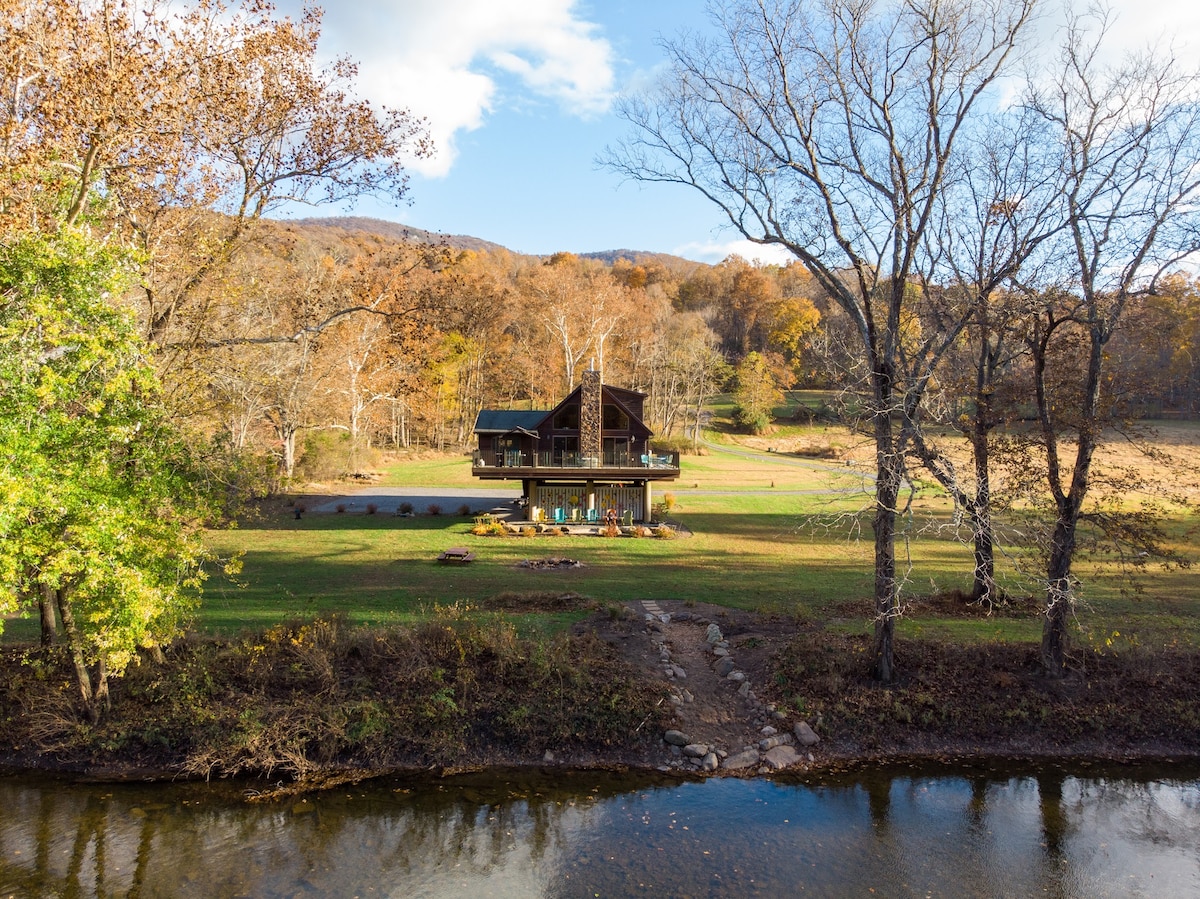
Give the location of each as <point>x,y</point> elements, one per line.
<point>897,833</point>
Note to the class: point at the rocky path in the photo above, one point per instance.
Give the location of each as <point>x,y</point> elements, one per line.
<point>721,725</point>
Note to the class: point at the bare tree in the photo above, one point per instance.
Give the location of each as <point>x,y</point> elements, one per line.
<point>1129,138</point>
<point>1000,211</point>
<point>830,128</point>
<point>579,304</point>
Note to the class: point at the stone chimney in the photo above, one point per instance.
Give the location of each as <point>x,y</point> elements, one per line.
<point>590,440</point>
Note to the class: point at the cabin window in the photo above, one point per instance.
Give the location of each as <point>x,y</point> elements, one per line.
<point>567,419</point>
<point>616,451</point>
<point>614,419</point>
<point>565,450</point>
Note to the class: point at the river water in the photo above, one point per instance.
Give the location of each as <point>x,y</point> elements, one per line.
<point>896,832</point>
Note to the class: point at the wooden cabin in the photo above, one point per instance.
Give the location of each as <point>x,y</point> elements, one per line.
<point>587,455</point>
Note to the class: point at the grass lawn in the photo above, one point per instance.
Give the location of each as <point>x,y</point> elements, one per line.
<point>772,532</point>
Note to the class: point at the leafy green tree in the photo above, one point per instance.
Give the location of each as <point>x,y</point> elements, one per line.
<point>757,393</point>
<point>99,502</point>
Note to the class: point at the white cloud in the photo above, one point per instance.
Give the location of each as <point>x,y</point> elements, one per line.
<point>1141,24</point>
<point>451,61</point>
<point>715,251</point>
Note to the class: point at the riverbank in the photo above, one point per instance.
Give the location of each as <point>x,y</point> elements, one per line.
<point>669,686</point>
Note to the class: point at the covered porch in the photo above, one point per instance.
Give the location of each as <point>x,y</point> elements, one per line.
<point>589,502</point>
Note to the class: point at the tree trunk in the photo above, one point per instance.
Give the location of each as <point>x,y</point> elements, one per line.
<point>48,617</point>
<point>1059,598</point>
<point>75,644</point>
<point>101,699</point>
<point>289,451</point>
<point>984,589</point>
<point>887,600</point>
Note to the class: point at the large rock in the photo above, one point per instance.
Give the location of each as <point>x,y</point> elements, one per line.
<point>713,634</point>
<point>724,666</point>
<point>774,740</point>
<point>805,734</point>
<point>676,738</point>
<point>695,750</point>
<point>747,758</point>
<point>780,757</point>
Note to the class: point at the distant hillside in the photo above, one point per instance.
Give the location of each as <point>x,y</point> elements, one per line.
<point>397,231</point>
<point>671,263</point>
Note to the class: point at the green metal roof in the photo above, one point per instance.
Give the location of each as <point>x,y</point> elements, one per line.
<point>501,421</point>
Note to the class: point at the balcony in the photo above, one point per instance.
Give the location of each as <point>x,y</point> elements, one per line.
<point>513,464</point>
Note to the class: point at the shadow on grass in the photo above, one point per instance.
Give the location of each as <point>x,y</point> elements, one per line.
<point>373,567</point>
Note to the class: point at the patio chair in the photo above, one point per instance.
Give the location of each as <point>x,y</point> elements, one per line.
<point>627,518</point>
<point>560,515</point>
<point>593,515</point>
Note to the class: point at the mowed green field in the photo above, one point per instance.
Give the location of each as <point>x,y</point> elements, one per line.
<point>748,549</point>
<point>770,532</point>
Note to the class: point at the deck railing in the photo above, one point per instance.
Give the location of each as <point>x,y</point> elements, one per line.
<point>515,459</point>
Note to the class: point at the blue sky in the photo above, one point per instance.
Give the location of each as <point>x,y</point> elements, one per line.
<point>519,95</point>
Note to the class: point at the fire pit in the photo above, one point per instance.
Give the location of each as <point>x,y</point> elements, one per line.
<point>549,564</point>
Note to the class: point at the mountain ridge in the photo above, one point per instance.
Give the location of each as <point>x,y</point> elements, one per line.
<point>400,231</point>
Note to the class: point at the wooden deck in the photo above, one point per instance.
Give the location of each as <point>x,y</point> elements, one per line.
<point>544,467</point>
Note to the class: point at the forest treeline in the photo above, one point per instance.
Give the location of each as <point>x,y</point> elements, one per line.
<point>323,341</point>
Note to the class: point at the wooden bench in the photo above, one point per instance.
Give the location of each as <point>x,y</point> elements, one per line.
<point>458,554</point>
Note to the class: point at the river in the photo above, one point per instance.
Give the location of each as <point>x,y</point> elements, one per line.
<point>1080,832</point>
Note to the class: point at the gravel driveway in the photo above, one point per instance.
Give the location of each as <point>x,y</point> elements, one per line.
<point>388,499</point>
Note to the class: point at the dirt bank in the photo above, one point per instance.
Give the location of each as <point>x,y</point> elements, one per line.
<point>318,702</point>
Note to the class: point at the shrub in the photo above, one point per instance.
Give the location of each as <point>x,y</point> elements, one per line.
<point>372,508</point>
<point>666,445</point>
<point>664,533</point>
<point>323,455</point>
<point>433,509</point>
<point>755,421</point>
<point>244,474</point>
<point>341,507</point>
<point>610,530</point>
<point>464,510</point>
<point>405,508</point>
<point>487,526</point>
